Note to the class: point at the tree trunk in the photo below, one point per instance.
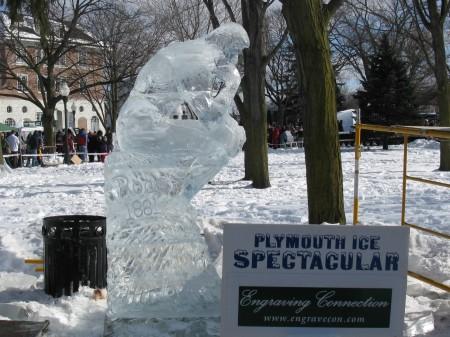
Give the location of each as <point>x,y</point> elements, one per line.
<point>280,118</point>
<point>443,89</point>
<point>3,167</point>
<point>48,121</point>
<point>247,157</point>
<point>255,121</point>
<point>243,121</point>
<point>2,160</point>
<point>307,24</point>
<point>114,94</point>
<point>253,110</point>
<point>114,105</point>
<point>212,15</point>
<point>385,140</point>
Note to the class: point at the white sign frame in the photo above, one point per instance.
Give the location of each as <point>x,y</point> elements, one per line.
<point>241,238</point>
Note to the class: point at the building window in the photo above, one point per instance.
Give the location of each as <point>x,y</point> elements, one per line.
<point>28,22</point>
<point>24,109</point>
<point>19,60</point>
<point>9,109</point>
<point>39,116</point>
<point>70,119</point>
<point>94,124</point>
<point>39,55</point>
<point>61,61</point>
<point>27,122</point>
<point>10,122</point>
<point>38,84</point>
<point>21,54</point>
<point>22,84</point>
<point>58,83</point>
<point>82,57</point>
<point>81,108</point>
<point>62,31</point>
<point>83,85</point>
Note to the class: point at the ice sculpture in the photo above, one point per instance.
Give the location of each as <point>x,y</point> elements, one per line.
<point>174,133</point>
<point>4,170</point>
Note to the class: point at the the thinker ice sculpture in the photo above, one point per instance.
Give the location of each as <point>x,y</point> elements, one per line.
<point>174,133</point>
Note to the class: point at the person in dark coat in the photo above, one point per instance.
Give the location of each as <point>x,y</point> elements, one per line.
<point>82,144</point>
<point>109,140</point>
<point>32,148</point>
<point>276,132</point>
<point>92,145</point>
<point>102,147</point>
<point>60,141</point>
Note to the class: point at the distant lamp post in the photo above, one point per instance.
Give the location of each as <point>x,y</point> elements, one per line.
<point>74,110</point>
<point>65,91</point>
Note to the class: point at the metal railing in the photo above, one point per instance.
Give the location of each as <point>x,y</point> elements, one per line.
<point>406,131</point>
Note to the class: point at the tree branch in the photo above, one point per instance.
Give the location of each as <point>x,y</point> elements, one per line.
<point>26,98</point>
<point>229,10</point>
<point>212,14</point>
<point>445,7</point>
<point>239,104</point>
<point>269,56</point>
<point>421,11</point>
<point>331,8</point>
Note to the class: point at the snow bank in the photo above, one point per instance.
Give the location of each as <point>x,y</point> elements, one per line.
<point>424,144</point>
<point>28,195</point>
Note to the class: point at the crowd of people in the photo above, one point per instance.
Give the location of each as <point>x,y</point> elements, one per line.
<point>282,136</point>
<point>87,145</point>
<point>94,145</point>
<point>26,150</point>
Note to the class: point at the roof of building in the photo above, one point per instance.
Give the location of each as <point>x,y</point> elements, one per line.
<point>28,30</point>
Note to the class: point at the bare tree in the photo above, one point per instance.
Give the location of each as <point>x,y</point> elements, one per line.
<point>431,15</point>
<point>281,79</point>
<point>353,36</point>
<point>2,159</point>
<point>360,24</point>
<point>223,11</point>
<point>252,108</point>
<point>49,46</point>
<point>182,19</point>
<point>126,38</point>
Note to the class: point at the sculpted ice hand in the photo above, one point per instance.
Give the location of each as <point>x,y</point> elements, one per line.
<point>174,134</point>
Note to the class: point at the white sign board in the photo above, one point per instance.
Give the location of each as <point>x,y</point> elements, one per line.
<point>293,280</point>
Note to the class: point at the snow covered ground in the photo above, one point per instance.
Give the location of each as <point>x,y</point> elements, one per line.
<point>28,195</point>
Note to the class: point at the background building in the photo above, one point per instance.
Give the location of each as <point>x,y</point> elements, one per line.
<point>18,112</point>
<point>15,107</point>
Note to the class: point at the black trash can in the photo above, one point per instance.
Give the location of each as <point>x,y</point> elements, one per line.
<point>74,253</point>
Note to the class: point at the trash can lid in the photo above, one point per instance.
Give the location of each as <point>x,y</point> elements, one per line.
<point>64,220</point>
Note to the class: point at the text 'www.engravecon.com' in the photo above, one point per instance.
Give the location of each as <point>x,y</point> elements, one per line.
<point>303,320</point>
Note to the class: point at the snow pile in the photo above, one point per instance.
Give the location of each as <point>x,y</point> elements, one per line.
<point>28,195</point>
<point>52,160</point>
<point>4,170</point>
<point>424,144</point>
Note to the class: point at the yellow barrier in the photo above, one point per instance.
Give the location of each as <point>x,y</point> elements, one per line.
<point>40,262</point>
<point>406,131</point>
<point>34,261</point>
